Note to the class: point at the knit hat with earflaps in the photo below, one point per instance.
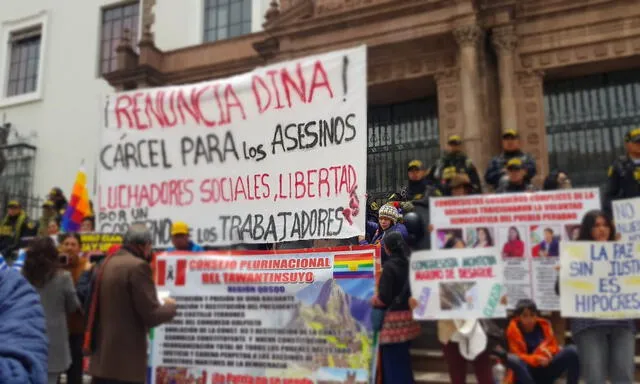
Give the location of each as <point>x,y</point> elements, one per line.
<point>390,212</point>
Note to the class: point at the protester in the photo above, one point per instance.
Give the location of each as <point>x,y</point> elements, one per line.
<point>84,285</point>
<point>455,162</point>
<point>53,227</point>
<point>59,200</point>
<point>48,214</point>
<point>23,332</point>
<point>496,174</point>
<point>449,337</point>
<point>181,239</point>
<point>623,176</point>
<point>557,180</point>
<point>535,357</point>
<point>606,347</point>
<point>388,221</point>
<point>88,224</point>
<point>15,226</point>
<point>516,178</point>
<point>75,264</point>
<point>124,306</point>
<point>58,297</point>
<point>398,327</point>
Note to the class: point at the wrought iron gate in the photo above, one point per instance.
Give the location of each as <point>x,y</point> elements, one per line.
<point>586,119</point>
<point>397,134</point>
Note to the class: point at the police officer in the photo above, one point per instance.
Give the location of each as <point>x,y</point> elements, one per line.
<point>419,186</point>
<point>15,226</point>
<point>496,171</point>
<point>455,162</point>
<point>516,178</point>
<point>624,174</point>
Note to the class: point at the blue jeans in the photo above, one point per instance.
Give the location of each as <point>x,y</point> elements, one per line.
<point>565,361</point>
<point>607,352</point>
<point>396,363</point>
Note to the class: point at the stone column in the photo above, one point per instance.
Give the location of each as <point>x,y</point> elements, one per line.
<point>449,104</point>
<point>531,124</point>
<point>469,38</point>
<point>504,41</point>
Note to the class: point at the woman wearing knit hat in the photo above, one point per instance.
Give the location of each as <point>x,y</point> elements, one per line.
<point>388,221</point>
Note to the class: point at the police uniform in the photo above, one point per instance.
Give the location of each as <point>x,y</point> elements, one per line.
<point>495,175</point>
<point>454,163</point>
<point>416,190</point>
<point>14,228</point>
<point>509,187</point>
<point>623,177</point>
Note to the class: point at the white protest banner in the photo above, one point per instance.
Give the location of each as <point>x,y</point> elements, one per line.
<point>276,154</point>
<point>291,317</point>
<point>527,228</point>
<point>600,280</point>
<point>626,215</point>
<point>458,284</point>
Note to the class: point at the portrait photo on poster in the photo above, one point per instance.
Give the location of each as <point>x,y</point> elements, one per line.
<point>545,240</point>
<point>449,238</point>
<point>480,237</point>
<point>512,241</point>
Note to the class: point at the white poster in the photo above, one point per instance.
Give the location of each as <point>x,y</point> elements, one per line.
<point>526,228</point>
<point>458,284</point>
<point>292,317</point>
<point>276,154</point>
<point>600,280</point>
<point>626,215</point>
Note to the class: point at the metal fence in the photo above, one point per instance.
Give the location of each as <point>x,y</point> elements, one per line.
<point>397,134</point>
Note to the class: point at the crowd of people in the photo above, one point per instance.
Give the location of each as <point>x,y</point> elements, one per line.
<point>58,306</point>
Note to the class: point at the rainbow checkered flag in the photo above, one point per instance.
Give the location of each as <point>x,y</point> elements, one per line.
<point>78,207</point>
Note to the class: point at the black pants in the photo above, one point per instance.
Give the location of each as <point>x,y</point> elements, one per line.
<point>97,380</point>
<point>75,371</point>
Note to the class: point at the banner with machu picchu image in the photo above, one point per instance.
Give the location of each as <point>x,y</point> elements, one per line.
<point>289,317</point>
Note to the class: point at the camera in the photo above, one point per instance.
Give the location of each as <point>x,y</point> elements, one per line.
<point>64,260</point>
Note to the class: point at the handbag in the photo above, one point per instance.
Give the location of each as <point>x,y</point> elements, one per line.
<point>377,314</point>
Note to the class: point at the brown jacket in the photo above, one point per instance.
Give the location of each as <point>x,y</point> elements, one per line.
<point>127,308</point>
<point>75,321</point>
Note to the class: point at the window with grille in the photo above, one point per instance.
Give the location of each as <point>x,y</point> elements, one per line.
<point>24,60</point>
<point>586,119</point>
<point>115,20</point>
<point>397,134</point>
<point>224,19</point>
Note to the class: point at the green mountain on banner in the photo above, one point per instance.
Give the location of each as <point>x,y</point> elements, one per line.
<point>330,318</point>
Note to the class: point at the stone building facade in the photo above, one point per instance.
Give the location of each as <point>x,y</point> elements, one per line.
<point>549,68</point>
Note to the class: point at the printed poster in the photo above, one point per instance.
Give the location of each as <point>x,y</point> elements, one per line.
<point>298,316</point>
<point>626,215</point>
<point>527,229</point>
<point>458,284</point>
<point>93,243</point>
<point>277,154</point>
<point>600,280</point>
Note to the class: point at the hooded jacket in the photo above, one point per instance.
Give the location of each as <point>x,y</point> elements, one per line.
<point>518,345</point>
<point>24,347</point>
